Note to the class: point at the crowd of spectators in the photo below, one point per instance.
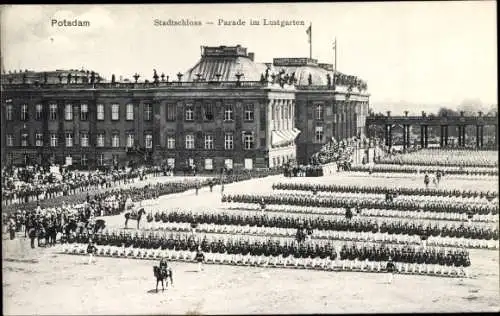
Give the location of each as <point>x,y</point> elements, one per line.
<point>35,183</point>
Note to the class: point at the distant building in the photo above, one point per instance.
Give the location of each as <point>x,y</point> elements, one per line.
<point>227,110</point>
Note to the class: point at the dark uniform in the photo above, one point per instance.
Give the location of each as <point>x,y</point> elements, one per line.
<point>390,268</point>
<point>163,264</point>
<point>91,250</point>
<point>12,229</point>
<point>200,258</point>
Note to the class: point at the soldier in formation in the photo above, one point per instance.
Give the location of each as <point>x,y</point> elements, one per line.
<point>91,250</point>
<point>200,258</point>
<point>391,268</point>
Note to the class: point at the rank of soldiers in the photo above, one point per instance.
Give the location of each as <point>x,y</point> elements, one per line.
<point>304,199</point>
<point>239,250</point>
<point>488,218</point>
<point>332,235</point>
<point>381,168</point>
<point>318,222</point>
<point>443,157</point>
<point>384,190</point>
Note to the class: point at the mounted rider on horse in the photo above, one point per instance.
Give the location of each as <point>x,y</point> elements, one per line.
<point>163,272</point>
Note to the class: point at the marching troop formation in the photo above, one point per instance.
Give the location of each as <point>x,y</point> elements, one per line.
<point>443,157</point>
<point>367,212</point>
<point>284,220</point>
<point>449,170</point>
<point>384,190</point>
<point>362,202</point>
<point>244,250</point>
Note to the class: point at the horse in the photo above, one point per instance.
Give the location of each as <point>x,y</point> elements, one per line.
<point>70,227</point>
<point>162,274</point>
<point>41,233</point>
<point>99,225</point>
<point>137,216</point>
<point>157,217</point>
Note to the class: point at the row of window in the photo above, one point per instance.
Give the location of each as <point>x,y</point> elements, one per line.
<point>84,140</point>
<point>84,112</point>
<point>208,163</point>
<point>189,114</point>
<point>319,112</point>
<point>248,140</point>
<point>208,113</point>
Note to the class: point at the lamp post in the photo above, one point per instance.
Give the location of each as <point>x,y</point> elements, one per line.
<point>222,172</point>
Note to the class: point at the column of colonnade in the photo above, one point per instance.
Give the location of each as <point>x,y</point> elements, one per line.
<point>460,125</point>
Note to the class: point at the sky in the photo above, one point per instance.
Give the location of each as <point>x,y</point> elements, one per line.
<point>414,53</point>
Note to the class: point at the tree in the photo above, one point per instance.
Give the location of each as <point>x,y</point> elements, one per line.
<point>492,111</point>
<point>443,111</point>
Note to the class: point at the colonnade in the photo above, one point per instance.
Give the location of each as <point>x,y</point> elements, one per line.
<point>444,135</point>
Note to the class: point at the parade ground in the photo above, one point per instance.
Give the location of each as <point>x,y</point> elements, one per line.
<point>43,281</point>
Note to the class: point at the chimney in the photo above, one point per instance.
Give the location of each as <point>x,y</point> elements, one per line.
<point>251,56</point>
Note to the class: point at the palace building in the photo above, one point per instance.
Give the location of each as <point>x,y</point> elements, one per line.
<point>227,110</point>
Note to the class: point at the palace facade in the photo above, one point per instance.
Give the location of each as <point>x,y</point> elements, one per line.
<point>227,110</point>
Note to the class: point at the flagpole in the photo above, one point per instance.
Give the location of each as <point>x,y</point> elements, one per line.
<point>335,47</point>
<point>310,42</point>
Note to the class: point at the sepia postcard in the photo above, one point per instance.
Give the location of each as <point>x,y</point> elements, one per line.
<point>249,158</point>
